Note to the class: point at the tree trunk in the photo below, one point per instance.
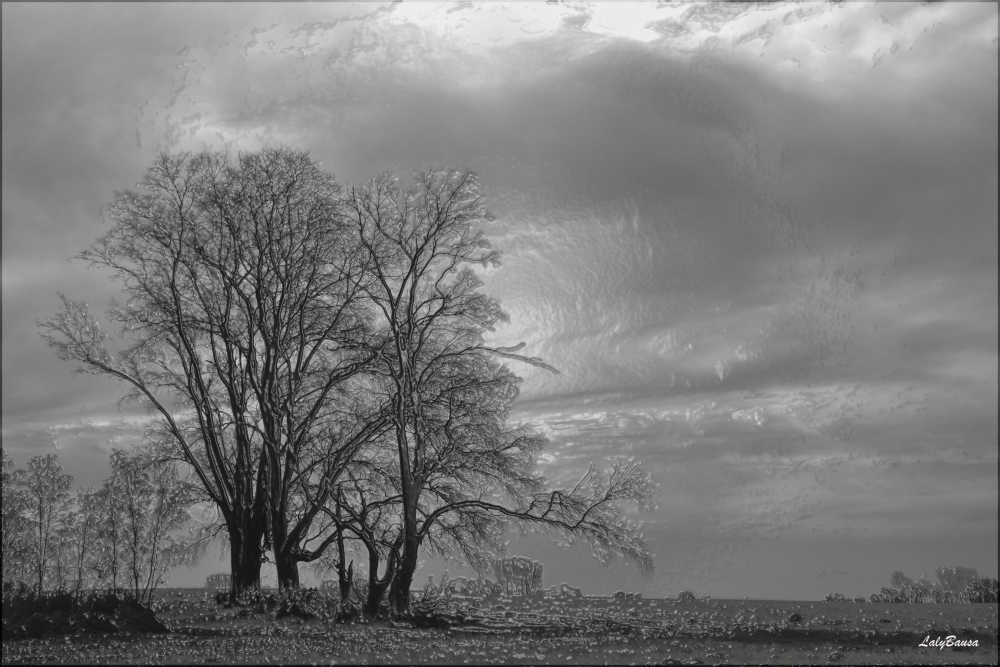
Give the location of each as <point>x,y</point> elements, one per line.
<point>376,591</point>
<point>400,593</point>
<point>345,578</point>
<point>376,586</point>
<point>411,482</point>
<point>245,579</point>
<point>288,569</point>
<point>285,558</point>
<point>41,550</point>
<point>345,575</point>
<point>244,561</point>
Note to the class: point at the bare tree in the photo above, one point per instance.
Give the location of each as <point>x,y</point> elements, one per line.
<point>108,547</point>
<point>16,529</point>
<point>242,282</point>
<point>368,507</point>
<point>86,528</point>
<point>420,243</point>
<point>293,328</point>
<point>153,503</point>
<point>47,509</point>
<point>64,549</point>
<point>353,423</point>
<point>481,481</point>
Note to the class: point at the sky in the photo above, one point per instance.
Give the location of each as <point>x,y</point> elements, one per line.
<point>759,243</point>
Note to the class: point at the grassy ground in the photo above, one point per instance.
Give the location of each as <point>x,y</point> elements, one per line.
<point>550,631</point>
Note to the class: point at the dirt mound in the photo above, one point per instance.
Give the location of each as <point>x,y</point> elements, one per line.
<point>31,617</point>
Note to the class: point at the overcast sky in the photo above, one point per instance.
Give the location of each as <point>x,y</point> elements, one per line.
<point>758,242</point>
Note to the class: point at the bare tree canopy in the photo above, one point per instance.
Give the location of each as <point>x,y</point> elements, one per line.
<point>243,307</point>
<point>450,399</point>
<point>318,357</point>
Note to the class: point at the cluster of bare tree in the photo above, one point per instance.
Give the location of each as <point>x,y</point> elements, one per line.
<point>125,535</point>
<point>518,575</point>
<point>317,355</point>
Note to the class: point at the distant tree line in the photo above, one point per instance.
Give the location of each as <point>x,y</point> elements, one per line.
<point>124,536</point>
<point>953,585</point>
<point>318,356</point>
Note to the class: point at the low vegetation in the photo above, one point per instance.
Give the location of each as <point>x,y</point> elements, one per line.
<point>540,628</point>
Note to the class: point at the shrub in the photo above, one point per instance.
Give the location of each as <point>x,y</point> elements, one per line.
<point>626,595</point>
<point>479,587</point>
<point>302,603</point>
<point>564,590</point>
<point>982,590</point>
<point>945,590</point>
<point>907,590</point>
<point>360,587</point>
<point>482,587</point>
<point>886,595</point>
<point>953,582</point>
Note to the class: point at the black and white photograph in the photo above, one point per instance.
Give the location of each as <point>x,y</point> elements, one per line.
<point>469,332</point>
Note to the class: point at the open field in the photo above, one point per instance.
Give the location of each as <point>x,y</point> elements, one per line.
<point>533,630</point>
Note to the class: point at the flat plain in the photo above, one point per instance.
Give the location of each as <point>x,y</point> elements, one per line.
<point>543,630</point>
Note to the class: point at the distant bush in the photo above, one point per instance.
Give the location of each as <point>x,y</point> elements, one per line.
<point>888,595</point>
<point>954,585</point>
<point>564,590</point>
<point>479,587</point>
<point>953,581</point>
<point>911,591</point>
<point>982,590</point>
<point>626,595</point>
<point>838,597</point>
<point>482,587</point>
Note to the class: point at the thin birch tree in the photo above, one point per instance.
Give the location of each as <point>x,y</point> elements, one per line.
<point>16,530</point>
<point>47,510</point>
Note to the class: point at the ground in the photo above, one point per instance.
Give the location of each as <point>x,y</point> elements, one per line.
<point>588,630</point>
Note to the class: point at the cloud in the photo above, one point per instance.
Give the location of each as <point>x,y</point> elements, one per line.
<point>758,241</point>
